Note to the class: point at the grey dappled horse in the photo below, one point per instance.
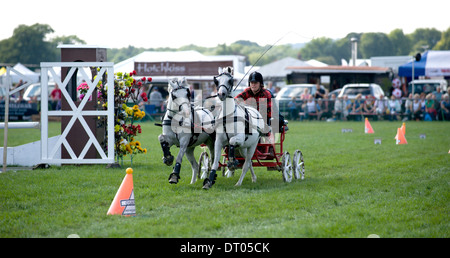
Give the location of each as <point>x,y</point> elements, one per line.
<point>237,126</point>
<point>186,127</point>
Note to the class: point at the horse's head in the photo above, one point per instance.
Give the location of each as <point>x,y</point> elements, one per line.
<point>224,83</point>
<point>179,96</point>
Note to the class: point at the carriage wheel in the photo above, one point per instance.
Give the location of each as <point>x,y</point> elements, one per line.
<point>298,165</point>
<point>203,165</point>
<point>286,168</point>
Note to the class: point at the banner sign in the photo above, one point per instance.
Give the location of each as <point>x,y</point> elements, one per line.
<point>179,68</point>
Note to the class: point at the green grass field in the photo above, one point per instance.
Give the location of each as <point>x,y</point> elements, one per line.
<point>352,188</point>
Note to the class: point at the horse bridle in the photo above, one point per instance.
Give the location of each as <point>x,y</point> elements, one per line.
<point>188,97</point>
<point>230,82</point>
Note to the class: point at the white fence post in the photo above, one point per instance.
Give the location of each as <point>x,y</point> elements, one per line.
<point>8,85</point>
<point>77,113</point>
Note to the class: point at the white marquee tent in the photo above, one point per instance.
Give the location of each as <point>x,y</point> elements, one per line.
<point>34,77</point>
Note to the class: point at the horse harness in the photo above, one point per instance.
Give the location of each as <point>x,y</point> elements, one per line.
<point>194,117</point>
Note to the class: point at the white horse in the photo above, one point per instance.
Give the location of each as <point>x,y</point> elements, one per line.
<point>186,127</point>
<point>237,126</point>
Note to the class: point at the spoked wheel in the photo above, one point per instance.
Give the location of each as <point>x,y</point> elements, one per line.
<point>286,168</point>
<point>203,165</point>
<point>298,165</point>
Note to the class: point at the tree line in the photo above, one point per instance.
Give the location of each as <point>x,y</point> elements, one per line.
<point>29,45</point>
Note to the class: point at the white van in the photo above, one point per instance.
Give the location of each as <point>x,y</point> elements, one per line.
<point>427,86</point>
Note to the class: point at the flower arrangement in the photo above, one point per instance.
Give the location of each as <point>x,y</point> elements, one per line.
<point>126,91</point>
<point>83,89</point>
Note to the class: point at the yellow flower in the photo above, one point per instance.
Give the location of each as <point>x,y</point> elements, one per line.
<point>128,148</point>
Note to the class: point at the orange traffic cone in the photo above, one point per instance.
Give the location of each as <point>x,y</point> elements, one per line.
<point>400,138</point>
<point>403,129</point>
<point>368,127</point>
<point>123,203</point>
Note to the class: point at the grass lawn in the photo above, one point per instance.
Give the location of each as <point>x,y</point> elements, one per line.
<point>352,188</point>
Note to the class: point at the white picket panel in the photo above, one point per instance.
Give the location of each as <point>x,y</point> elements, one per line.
<point>48,153</point>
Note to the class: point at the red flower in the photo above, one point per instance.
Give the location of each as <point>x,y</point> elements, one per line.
<point>143,79</point>
<point>149,79</point>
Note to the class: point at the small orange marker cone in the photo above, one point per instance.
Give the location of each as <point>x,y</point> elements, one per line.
<point>400,138</point>
<point>123,203</point>
<point>368,127</point>
<point>403,129</point>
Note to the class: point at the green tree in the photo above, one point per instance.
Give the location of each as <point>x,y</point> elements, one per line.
<point>27,45</point>
<point>317,48</point>
<point>424,38</point>
<point>400,42</point>
<point>444,43</point>
<point>375,44</point>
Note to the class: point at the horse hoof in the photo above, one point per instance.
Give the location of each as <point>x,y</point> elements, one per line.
<point>173,178</point>
<point>168,161</point>
<point>207,184</point>
<point>232,165</point>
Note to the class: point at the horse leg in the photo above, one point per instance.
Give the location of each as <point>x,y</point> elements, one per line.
<point>235,141</point>
<point>208,182</point>
<point>190,156</point>
<point>248,154</point>
<point>249,157</point>
<point>167,158</point>
<point>175,175</point>
<point>233,163</point>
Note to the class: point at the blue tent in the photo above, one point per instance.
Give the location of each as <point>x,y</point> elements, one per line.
<point>419,67</point>
<point>433,63</point>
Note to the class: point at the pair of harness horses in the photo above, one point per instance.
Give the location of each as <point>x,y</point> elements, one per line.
<point>235,133</point>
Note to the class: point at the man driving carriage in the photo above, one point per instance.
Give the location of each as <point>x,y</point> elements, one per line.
<point>257,96</point>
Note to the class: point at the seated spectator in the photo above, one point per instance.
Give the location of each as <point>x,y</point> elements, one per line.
<point>312,107</point>
<point>381,106</point>
<point>339,109</point>
<point>395,108</point>
<point>358,107</point>
<point>324,108</point>
<point>348,105</point>
<point>293,110</point>
<point>369,104</point>
<point>305,95</point>
<point>430,109</point>
<point>445,107</point>
<point>408,107</point>
<point>416,111</point>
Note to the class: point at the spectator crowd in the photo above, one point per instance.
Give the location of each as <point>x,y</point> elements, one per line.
<point>434,106</point>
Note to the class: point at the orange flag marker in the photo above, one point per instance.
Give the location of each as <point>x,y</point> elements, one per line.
<point>400,138</point>
<point>123,203</point>
<point>368,127</point>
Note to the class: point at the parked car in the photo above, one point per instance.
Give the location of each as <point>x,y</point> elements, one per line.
<point>34,90</point>
<point>427,86</point>
<point>353,89</point>
<point>289,91</point>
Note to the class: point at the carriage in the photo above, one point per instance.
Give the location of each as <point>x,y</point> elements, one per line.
<point>269,153</point>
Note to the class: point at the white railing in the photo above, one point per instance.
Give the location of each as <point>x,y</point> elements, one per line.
<point>7,85</point>
<point>48,153</point>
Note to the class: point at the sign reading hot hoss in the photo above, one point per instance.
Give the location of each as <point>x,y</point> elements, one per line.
<point>179,68</point>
